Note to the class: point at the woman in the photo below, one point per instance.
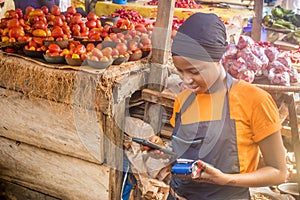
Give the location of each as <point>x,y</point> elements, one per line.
<point>223,122</point>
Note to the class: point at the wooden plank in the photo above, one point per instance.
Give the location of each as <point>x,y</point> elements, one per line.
<point>114,126</point>
<point>15,191</point>
<point>126,86</point>
<point>58,175</point>
<point>257,20</point>
<point>54,126</point>
<point>233,2</point>
<point>158,98</point>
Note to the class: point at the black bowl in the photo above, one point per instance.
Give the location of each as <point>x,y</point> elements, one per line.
<point>109,44</point>
<point>62,44</point>
<point>86,42</point>
<point>54,59</point>
<point>74,61</point>
<point>33,54</point>
<point>110,20</point>
<point>118,30</point>
<point>99,64</point>
<point>120,60</point>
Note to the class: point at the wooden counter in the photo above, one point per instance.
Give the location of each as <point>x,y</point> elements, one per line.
<point>61,129</point>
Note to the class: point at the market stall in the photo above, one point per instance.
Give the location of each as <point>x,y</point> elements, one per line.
<point>58,113</point>
<point>61,130</point>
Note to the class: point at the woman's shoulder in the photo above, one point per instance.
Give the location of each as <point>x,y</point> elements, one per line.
<point>248,88</point>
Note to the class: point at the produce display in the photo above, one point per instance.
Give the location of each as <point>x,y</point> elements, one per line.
<point>249,60</point>
<point>180,4</point>
<point>286,21</point>
<point>72,38</point>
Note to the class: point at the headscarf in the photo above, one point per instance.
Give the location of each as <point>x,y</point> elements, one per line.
<point>202,36</point>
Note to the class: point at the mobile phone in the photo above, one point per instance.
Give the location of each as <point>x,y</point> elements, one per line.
<point>153,146</point>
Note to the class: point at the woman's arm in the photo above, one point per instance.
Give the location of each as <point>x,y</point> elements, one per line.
<point>274,172</point>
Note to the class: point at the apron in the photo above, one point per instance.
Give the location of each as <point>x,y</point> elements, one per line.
<point>215,143</point>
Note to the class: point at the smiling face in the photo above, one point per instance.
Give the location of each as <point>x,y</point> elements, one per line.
<point>200,76</point>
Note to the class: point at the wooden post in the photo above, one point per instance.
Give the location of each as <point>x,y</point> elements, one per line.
<point>295,135</point>
<point>159,71</point>
<point>257,20</point>
<point>161,44</point>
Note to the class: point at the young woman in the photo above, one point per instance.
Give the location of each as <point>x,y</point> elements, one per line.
<point>222,122</point>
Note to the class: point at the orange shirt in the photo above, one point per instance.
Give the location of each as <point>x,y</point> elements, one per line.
<point>253,109</point>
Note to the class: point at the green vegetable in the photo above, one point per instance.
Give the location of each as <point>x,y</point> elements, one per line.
<point>277,12</point>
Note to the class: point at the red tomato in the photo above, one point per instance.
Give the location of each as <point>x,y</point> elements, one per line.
<point>28,9</point>
<point>55,10</point>
<point>90,47</point>
<point>16,32</point>
<point>91,16</point>
<point>57,32</point>
<point>80,49</point>
<point>54,48</point>
<point>45,9</point>
<point>71,10</point>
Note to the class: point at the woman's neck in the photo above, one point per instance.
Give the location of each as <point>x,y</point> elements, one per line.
<point>219,85</point>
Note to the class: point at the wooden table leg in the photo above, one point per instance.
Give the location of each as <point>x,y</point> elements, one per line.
<point>289,99</point>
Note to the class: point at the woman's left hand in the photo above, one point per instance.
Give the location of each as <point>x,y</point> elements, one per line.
<point>208,174</point>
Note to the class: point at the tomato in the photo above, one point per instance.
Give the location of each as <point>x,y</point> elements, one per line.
<point>16,32</point>
<point>91,17</point>
<point>97,53</point>
<point>57,32</point>
<point>24,38</point>
<point>122,47</point>
<point>94,58</point>
<point>83,56</point>
<point>28,9</point>
<point>39,33</point>
<point>90,47</point>
<point>50,17</point>
<point>45,10</point>
<point>91,24</point>
<point>71,10</point>
<point>80,49</point>
<point>32,43</point>
<point>133,45</point>
<point>76,19</point>
<point>145,40</point>
<point>38,40</point>
<point>141,28</point>
<point>10,14</point>
<point>57,21</point>
<point>12,23</point>
<point>75,28</point>
<point>19,13</point>
<point>95,37</point>
<point>55,10</point>
<point>40,25</point>
<point>107,51</point>
<point>115,52</point>
<point>66,29</point>
<point>36,12</point>
<point>54,48</point>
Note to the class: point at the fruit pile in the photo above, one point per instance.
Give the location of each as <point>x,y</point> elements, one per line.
<point>72,36</point>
